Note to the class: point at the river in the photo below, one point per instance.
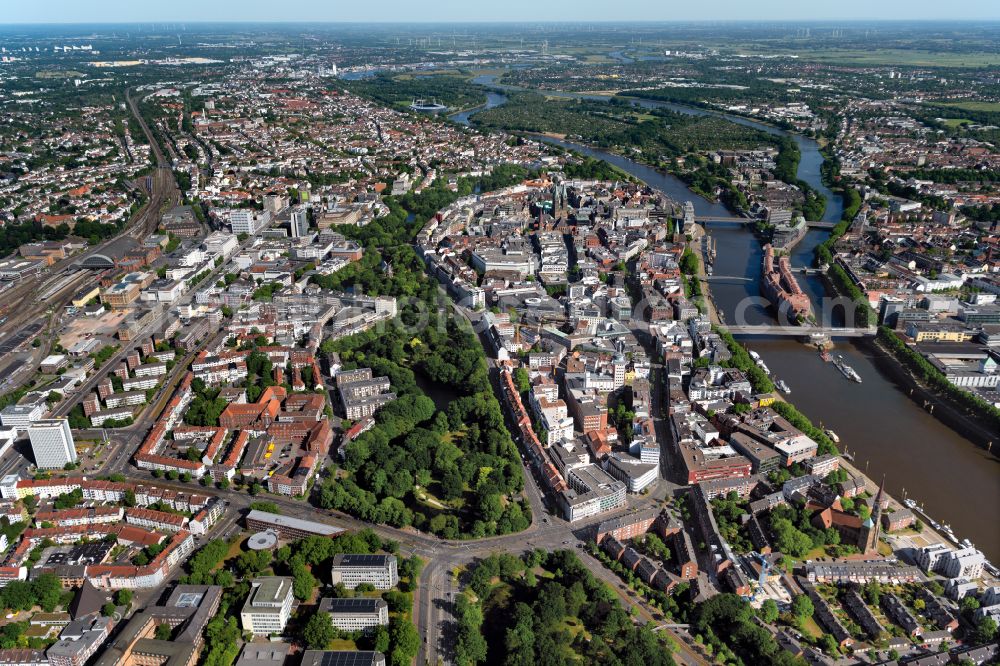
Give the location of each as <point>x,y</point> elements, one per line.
<point>888,434</point>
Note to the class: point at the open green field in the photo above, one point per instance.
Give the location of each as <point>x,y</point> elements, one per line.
<point>989,107</point>
<point>903,57</point>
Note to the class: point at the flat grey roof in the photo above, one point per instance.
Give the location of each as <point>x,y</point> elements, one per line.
<point>277,520</point>
<point>341,658</point>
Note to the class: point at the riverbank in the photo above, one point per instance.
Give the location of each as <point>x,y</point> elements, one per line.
<point>930,400</point>
<point>888,433</point>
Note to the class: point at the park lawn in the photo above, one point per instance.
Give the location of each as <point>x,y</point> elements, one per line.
<point>813,554</point>
<point>955,122</point>
<point>440,72</point>
<point>810,627</point>
<point>58,74</point>
<point>344,644</point>
<point>424,497</point>
<point>234,551</point>
<point>450,436</point>
<point>473,73</point>
<point>575,627</point>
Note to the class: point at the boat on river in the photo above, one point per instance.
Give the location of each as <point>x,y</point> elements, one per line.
<point>846,370</point>
<point>760,362</point>
<point>782,386</point>
<point>832,435</point>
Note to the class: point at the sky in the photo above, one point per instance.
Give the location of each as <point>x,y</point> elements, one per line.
<point>133,11</point>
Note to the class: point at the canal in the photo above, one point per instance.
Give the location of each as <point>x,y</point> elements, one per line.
<point>886,432</point>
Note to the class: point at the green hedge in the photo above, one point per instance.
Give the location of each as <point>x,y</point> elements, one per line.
<point>852,204</point>
<point>863,313</point>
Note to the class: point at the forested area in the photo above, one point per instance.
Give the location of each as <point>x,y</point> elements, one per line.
<point>618,125</point>
<point>863,313</point>
<point>452,471</point>
<point>726,622</point>
<point>982,213</point>
<point>452,91</point>
<point>547,608</point>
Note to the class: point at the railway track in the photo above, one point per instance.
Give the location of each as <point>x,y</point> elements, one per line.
<point>33,297</point>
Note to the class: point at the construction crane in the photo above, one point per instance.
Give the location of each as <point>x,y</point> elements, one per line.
<point>765,569</point>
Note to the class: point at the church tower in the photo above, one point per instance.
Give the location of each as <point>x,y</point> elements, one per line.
<point>871,529</point>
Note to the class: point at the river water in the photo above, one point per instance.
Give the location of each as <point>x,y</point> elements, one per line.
<point>888,434</point>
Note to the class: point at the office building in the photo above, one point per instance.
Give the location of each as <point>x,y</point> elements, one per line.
<point>353,570</point>
<point>52,443</point>
<point>288,527</point>
<point>246,221</point>
<point>298,222</point>
<point>268,607</point>
<point>20,417</point>
<point>356,614</point>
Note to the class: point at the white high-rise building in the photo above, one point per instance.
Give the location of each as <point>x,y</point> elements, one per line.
<point>243,222</point>
<point>618,365</point>
<point>52,443</point>
<point>299,222</point>
<point>247,221</point>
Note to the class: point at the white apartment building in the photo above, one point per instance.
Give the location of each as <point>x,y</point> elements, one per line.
<point>52,443</point>
<point>140,383</point>
<point>554,418</point>
<point>97,419</point>
<point>377,570</point>
<point>268,607</point>
<point>150,370</point>
<point>962,563</point>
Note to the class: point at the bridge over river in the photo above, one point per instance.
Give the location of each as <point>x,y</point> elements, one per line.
<point>746,220</point>
<point>803,331</point>
<point>715,277</point>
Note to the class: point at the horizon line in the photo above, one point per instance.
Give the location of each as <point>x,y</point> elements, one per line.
<point>505,22</point>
